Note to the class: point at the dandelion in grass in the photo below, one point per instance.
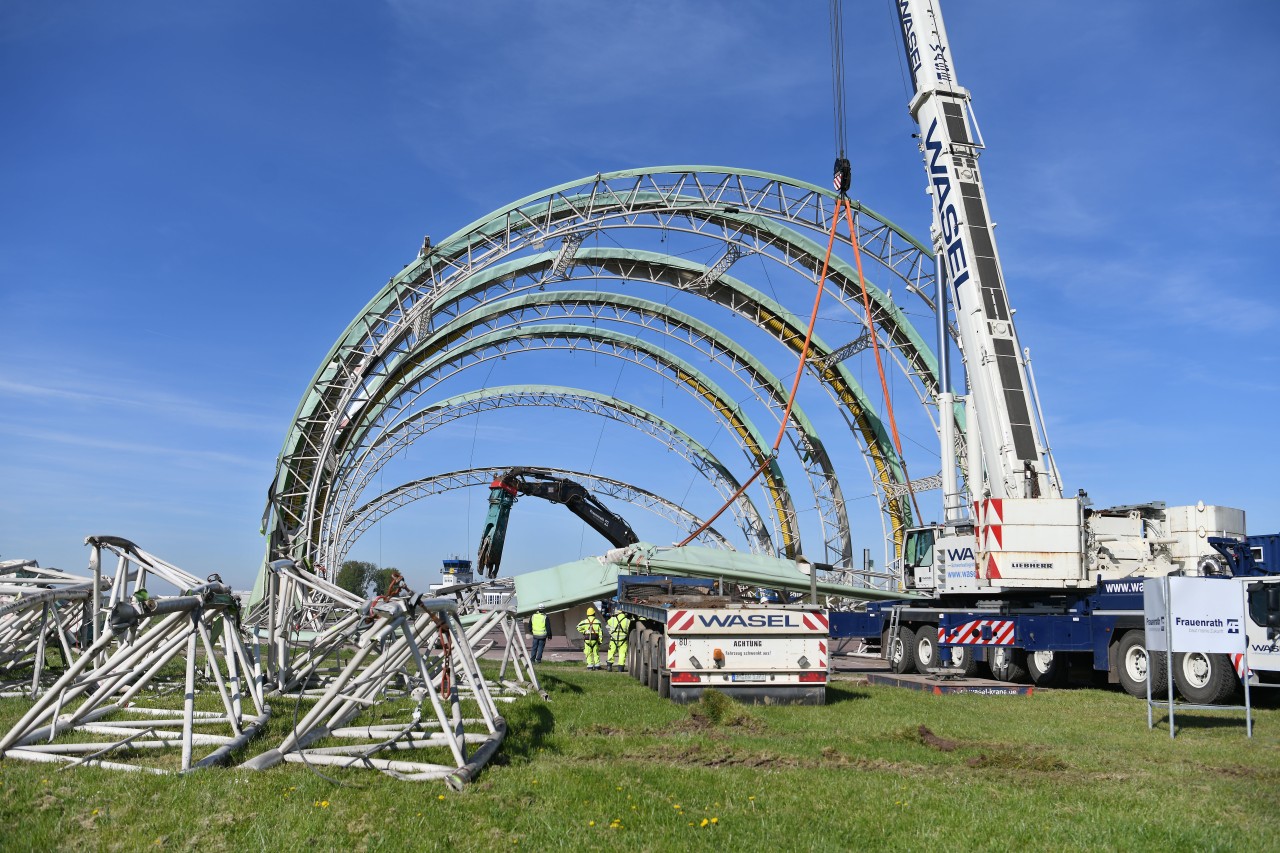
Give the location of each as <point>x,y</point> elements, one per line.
<point>440,796</point>
<point>324,804</point>
<point>591,823</point>
<point>715,820</point>
<point>704,822</point>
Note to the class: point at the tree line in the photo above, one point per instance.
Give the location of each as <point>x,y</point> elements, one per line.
<point>363,578</point>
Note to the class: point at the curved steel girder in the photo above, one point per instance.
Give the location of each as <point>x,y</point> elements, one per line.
<point>405,433</point>
<point>763,384</point>
<point>424,366</point>
<point>712,193</point>
<point>386,503</point>
<point>727,292</point>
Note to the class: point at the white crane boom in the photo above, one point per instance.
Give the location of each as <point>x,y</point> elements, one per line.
<point>999,386</point>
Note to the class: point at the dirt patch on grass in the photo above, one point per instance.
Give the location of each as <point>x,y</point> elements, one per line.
<point>1031,758</point>
<point>928,738</point>
<point>994,756</point>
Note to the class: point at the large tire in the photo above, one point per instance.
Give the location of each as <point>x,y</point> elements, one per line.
<point>646,662</point>
<point>1203,678</point>
<point>1007,663</point>
<point>901,650</point>
<point>963,661</point>
<point>1134,664</point>
<point>664,684</point>
<point>631,654</point>
<point>1047,669</point>
<point>655,648</point>
<point>926,647</point>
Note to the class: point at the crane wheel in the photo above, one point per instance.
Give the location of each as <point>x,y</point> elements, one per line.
<point>1134,664</point>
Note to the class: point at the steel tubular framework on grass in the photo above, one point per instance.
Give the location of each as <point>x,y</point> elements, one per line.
<point>751,213</point>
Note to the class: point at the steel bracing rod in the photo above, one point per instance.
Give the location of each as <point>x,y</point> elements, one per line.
<point>390,443</point>
<point>339,380</point>
<point>636,351</point>
<point>406,493</point>
<point>652,316</point>
<point>129,553</point>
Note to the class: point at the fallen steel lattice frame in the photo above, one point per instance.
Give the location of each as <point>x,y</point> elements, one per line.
<point>392,654</point>
<point>148,634</point>
<point>38,606</point>
<point>515,654</point>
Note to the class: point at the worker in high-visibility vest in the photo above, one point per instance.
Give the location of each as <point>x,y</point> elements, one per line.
<point>619,625</point>
<point>592,633</point>
<point>540,627</point>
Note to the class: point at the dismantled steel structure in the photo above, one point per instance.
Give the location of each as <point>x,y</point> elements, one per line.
<point>548,273</point>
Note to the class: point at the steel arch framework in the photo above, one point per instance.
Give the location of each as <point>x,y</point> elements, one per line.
<point>381,414</point>
<point>344,533</point>
<point>752,212</point>
<point>370,513</point>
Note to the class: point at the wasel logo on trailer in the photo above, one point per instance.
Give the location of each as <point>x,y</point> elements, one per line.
<point>755,620</point>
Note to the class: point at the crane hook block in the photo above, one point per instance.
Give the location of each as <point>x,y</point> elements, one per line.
<point>843,177</point>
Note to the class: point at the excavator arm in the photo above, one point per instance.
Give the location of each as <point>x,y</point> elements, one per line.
<point>530,481</point>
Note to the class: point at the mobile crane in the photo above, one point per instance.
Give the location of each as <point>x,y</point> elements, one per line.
<point>1016,571</point>
<point>532,481</point>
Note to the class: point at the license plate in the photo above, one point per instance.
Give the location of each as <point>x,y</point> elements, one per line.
<point>749,676</point>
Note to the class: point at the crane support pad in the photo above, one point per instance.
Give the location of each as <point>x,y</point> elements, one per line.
<point>980,686</point>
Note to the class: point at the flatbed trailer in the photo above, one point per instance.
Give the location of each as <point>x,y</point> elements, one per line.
<point>688,636</point>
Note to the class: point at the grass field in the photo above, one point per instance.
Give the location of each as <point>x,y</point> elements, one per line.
<point>607,765</point>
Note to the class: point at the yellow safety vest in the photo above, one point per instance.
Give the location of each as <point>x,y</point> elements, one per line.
<point>538,624</point>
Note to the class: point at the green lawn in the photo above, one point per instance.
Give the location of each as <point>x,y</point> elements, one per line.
<point>606,764</point>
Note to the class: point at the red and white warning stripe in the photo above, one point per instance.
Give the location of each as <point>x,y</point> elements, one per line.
<point>816,621</point>
<point>1237,660</point>
<point>971,633</point>
<point>671,656</point>
<point>676,620</point>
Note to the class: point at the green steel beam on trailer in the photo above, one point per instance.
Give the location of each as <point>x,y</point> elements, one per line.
<point>594,578</point>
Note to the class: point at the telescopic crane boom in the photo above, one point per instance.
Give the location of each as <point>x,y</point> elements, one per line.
<point>1013,454</point>
<point>540,484</point>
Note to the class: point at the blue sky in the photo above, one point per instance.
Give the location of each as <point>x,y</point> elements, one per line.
<point>197,199</point>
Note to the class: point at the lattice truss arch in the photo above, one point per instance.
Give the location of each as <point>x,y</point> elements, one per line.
<point>369,514</point>
<point>521,312</point>
<point>352,521</point>
<point>751,212</point>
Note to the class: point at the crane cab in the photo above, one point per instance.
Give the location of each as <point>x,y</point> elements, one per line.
<point>938,559</point>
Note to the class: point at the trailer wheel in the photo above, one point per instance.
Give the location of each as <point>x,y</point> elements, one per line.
<point>655,645</point>
<point>632,646</point>
<point>1007,663</point>
<point>1047,669</point>
<point>926,648</point>
<point>664,684</point>
<point>1134,664</point>
<point>901,655</point>
<point>963,661</point>
<point>1203,678</point>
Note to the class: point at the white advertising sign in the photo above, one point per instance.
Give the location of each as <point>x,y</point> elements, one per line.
<point>1203,615</point>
